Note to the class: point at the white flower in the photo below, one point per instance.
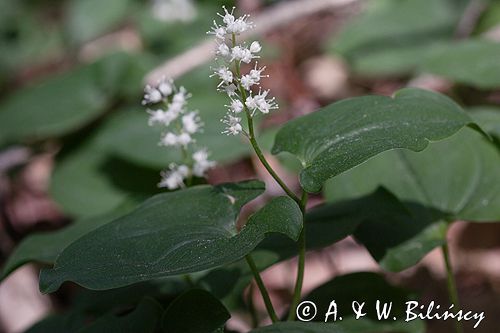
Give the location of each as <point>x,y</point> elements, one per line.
<point>151,95</point>
<point>181,96</point>
<point>236,106</point>
<point>255,47</point>
<point>256,74</point>
<point>261,103</point>
<point>239,26</point>
<point>223,50</point>
<point>174,177</point>
<point>219,31</point>
<point>233,126</point>
<point>165,87</point>
<point>242,54</point>
<point>201,163</point>
<point>184,139</point>
<point>169,139</point>
<point>191,123</point>
<point>176,108</point>
<point>251,103</point>
<point>247,81</point>
<point>224,74</point>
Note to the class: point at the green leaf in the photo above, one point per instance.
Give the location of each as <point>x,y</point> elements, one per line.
<point>54,107</point>
<point>458,177</point>
<point>389,36</point>
<point>88,19</point>
<point>410,235</point>
<point>473,62</point>
<point>488,117</point>
<point>195,311</point>
<point>168,236</point>
<point>342,135</point>
<point>144,319</point>
<point>325,225</point>
<point>44,247</point>
<point>89,181</point>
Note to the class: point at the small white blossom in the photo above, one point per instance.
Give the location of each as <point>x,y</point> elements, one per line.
<point>236,106</point>
<point>165,87</point>
<point>255,47</point>
<point>256,73</point>
<point>247,81</point>
<point>219,31</point>
<point>224,74</point>
<point>223,50</point>
<point>184,139</point>
<point>159,117</point>
<point>169,139</point>
<point>181,96</point>
<point>240,53</point>
<point>191,123</point>
<point>261,103</point>
<point>233,126</point>
<point>151,95</point>
<point>201,163</point>
<point>251,103</point>
<point>173,178</point>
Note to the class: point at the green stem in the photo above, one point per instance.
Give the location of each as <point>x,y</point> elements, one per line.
<point>301,262</point>
<point>262,288</point>
<point>452,285</point>
<point>251,307</point>
<point>301,202</point>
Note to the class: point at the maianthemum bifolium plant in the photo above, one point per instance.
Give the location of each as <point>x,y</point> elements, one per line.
<point>395,173</point>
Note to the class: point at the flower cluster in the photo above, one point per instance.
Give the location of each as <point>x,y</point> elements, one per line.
<point>181,125</point>
<point>239,88</point>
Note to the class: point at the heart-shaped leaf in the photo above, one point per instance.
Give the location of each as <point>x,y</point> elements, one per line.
<point>347,133</point>
<point>468,188</point>
<point>168,235</point>
<point>194,311</point>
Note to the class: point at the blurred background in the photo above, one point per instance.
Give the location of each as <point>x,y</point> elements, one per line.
<point>74,140</point>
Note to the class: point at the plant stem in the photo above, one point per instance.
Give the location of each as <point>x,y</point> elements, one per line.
<point>251,307</point>
<point>301,262</point>
<point>301,202</point>
<point>262,288</point>
<point>452,285</point>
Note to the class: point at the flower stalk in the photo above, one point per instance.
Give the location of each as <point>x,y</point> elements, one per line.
<point>245,98</point>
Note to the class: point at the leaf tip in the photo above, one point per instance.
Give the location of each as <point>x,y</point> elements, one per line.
<point>49,281</point>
